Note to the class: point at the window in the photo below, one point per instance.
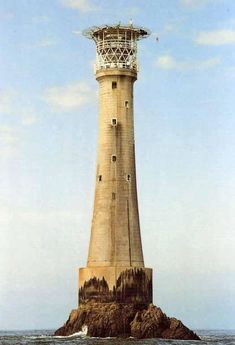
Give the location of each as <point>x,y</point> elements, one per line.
<point>113,196</point>
<point>114,84</point>
<point>100,178</point>
<point>128,177</point>
<point>126,104</point>
<point>114,158</point>
<point>114,121</point>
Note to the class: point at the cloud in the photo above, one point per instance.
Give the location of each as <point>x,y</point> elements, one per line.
<point>168,62</point>
<point>29,120</point>
<point>29,117</point>
<point>194,4</point>
<point>44,43</point>
<point>69,97</point>
<point>9,141</point>
<point>4,215</point>
<point>171,27</point>
<point>6,97</point>
<point>81,5</point>
<point>8,135</point>
<point>77,32</point>
<point>38,217</point>
<point>48,216</point>
<point>11,138</point>
<point>216,37</point>
<point>14,103</point>
<point>8,151</point>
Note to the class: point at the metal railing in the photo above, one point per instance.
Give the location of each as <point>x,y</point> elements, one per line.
<point>111,65</point>
<point>115,43</point>
<point>116,53</point>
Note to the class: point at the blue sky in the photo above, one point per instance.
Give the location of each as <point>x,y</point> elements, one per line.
<point>185,147</point>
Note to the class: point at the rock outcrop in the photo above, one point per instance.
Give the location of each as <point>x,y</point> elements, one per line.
<point>125,320</point>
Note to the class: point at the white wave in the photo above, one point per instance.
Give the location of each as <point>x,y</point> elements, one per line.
<point>41,336</point>
<point>79,334</point>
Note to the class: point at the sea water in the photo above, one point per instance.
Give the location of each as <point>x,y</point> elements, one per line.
<point>216,337</point>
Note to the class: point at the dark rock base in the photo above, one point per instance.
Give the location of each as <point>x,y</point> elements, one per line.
<point>125,320</point>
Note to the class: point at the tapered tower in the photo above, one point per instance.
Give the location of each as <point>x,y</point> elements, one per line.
<point>115,268</point>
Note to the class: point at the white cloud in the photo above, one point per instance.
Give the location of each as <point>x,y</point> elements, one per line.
<point>69,97</point>
<point>29,119</point>
<point>42,217</point>
<point>14,103</point>
<point>16,106</point>
<point>216,37</point>
<point>81,5</point>
<point>77,32</point>
<point>168,62</point>
<point>48,216</point>
<point>5,215</point>
<point>173,25</point>
<point>170,27</point>
<point>8,151</point>
<point>29,115</point>
<point>6,98</point>
<point>194,4</point>
<point>8,135</point>
<point>9,140</point>
<point>44,43</point>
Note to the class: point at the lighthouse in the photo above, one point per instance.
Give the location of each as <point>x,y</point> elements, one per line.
<point>115,287</point>
<point>115,269</point>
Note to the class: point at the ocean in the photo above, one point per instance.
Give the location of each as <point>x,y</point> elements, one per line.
<point>208,337</point>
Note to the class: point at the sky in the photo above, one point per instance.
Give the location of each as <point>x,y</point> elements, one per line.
<point>185,155</point>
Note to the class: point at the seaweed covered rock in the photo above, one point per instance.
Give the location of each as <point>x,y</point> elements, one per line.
<point>153,323</point>
<point>124,320</point>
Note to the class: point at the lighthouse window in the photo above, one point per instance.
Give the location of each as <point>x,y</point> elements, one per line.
<point>113,196</point>
<point>114,84</point>
<point>100,177</point>
<point>114,158</point>
<point>128,177</point>
<point>126,104</point>
<point>114,121</point>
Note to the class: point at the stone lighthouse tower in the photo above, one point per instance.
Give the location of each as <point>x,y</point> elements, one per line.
<point>115,288</point>
<point>115,268</point>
